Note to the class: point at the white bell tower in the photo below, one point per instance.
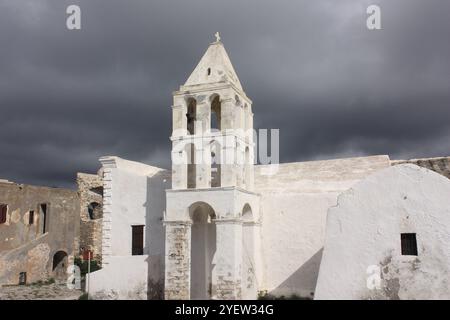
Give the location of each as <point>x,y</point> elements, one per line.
<point>212,127</point>
<point>212,200</point>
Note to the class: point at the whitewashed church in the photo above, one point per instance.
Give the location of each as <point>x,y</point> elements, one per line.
<point>218,226</point>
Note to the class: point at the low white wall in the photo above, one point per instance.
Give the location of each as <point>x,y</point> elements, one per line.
<point>363,241</point>
<point>294,204</point>
<point>124,278</point>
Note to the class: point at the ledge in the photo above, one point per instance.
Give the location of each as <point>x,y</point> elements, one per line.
<point>216,189</point>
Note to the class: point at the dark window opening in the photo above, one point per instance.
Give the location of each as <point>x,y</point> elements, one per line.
<point>31,217</point>
<point>216,115</point>
<point>3,213</point>
<point>137,240</point>
<point>94,210</point>
<point>209,71</point>
<point>97,190</point>
<point>191,115</point>
<point>22,278</point>
<point>43,217</point>
<point>409,244</point>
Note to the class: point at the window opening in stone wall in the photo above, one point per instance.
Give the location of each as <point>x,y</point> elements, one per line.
<point>94,210</point>
<point>409,244</point>
<point>43,217</point>
<point>191,115</point>
<point>22,278</point>
<point>3,213</point>
<point>31,217</point>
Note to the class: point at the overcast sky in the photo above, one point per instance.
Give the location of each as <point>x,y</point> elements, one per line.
<point>312,69</point>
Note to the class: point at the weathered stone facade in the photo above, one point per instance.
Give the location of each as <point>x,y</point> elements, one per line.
<point>38,237</point>
<point>440,165</point>
<point>90,189</point>
<point>178,255</point>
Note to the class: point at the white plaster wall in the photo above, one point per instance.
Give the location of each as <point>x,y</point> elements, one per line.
<point>250,279</point>
<point>124,278</point>
<point>227,202</point>
<point>364,230</point>
<point>294,204</point>
<point>136,196</point>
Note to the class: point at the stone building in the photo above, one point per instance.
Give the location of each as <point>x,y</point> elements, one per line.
<point>90,190</point>
<point>218,226</point>
<point>38,228</point>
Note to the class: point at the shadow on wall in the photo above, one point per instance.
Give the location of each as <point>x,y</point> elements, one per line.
<point>154,234</point>
<point>302,282</point>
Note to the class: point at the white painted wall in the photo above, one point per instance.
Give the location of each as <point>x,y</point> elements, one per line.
<point>123,278</point>
<point>294,204</point>
<point>135,196</point>
<point>364,230</point>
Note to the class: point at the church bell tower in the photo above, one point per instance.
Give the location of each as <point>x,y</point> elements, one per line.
<point>212,203</point>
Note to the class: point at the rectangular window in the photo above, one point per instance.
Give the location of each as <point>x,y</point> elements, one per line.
<point>22,278</point>
<point>31,217</point>
<point>409,244</point>
<point>43,217</point>
<point>137,248</point>
<point>3,213</point>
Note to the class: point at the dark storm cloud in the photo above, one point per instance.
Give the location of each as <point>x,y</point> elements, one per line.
<point>312,69</point>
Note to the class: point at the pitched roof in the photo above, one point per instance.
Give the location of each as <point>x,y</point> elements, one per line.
<point>215,66</point>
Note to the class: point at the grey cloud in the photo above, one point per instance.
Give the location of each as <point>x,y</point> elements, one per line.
<point>313,70</point>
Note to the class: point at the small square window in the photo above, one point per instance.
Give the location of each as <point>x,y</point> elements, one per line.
<point>409,244</point>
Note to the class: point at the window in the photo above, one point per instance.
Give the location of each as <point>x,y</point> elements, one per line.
<point>3,212</point>
<point>191,115</point>
<point>22,278</point>
<point>43,217</point>
<point>409,244</point>
<point>216,115</point>
<point>209,71</point>
<point>31,217</point>
<point>94,210</point>
<point>137,241</point>
<point>97,190</point>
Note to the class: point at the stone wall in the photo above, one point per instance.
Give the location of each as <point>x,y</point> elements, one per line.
<point>440,165</point>
<point>90,189</point>
<point>178,255</point>
<point>24,247</point>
